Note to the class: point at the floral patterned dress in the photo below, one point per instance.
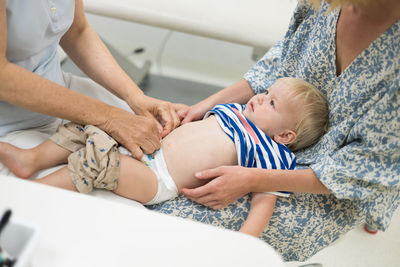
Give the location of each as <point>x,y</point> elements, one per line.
<point>358,160</point>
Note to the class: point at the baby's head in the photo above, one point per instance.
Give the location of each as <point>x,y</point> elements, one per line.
<point>291,112</point>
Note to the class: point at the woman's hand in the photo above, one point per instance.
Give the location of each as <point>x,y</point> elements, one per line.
<point>227,184</point>
<point>195,112</point>
<point>239,92</point>
<point>162,112</point>
<point>180,109</point>
<point>137,133</point>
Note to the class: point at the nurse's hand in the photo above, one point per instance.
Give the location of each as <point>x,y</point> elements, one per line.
<point>162,112</point>
<point>227,184</point>
<point>139,134</point>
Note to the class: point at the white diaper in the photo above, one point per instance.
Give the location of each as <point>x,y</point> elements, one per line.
<point>166,186</point>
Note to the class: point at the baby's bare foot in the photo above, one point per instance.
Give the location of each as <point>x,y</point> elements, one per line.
<point>18,161</point>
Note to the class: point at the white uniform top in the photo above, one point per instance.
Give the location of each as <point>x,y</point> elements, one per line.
<point>34,30</point>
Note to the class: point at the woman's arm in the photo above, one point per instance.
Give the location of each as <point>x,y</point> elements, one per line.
<point>239,92</point>
<point>304,181</point>
<point>261,209</point>
<point>229,183</point>
<point>25,89</point>
<point>89,53</point>
<point>85,48</point>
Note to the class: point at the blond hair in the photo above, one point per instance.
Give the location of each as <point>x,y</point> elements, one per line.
<point>314,117</point>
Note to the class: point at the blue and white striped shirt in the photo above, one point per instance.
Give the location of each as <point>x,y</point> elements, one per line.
<point>253,147</point>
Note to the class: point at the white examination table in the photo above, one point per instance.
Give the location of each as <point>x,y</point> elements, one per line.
<point>255,23</point>
<point>82,230</point>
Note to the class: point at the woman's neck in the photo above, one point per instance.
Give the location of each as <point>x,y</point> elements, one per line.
<point>359,25</point>
<point>384,11</point>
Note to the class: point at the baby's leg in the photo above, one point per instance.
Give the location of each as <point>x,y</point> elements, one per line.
<point>136,180</point>
<point>59,178</point>
<point>25,162</point>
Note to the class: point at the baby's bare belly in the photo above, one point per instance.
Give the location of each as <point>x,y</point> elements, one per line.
<point>197,146</point>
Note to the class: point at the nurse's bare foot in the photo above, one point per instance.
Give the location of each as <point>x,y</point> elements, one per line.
<point>18,161</point>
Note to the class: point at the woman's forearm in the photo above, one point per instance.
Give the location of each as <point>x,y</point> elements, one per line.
<point>239,92</point>
<point>86,49</point>
<point>228,183</point>
<point>25,89</point>
<point>286,180</point>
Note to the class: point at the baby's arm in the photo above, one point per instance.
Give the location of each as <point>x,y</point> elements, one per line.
<point>261,209</point>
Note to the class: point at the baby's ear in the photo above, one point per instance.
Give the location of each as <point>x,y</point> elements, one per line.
<point>285,137</point>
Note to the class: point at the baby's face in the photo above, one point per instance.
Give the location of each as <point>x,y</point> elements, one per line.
<point>275,110</point>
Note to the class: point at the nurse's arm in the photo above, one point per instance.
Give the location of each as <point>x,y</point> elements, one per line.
<point>89,53</point>
<point>30,91</point>
<point>86,49</point>
<point>25,89</point>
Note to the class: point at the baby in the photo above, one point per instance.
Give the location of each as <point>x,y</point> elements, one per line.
<point>290,114</point>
